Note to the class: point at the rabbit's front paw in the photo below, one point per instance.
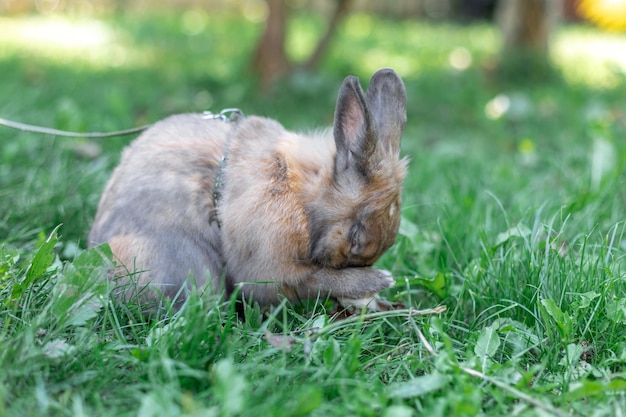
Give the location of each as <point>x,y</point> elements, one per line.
<point>348,283</point>
<point>370,282</point>
<point>377,280</point>
<point>387,278</point>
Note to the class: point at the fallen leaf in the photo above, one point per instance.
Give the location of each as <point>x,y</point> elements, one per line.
<point>280,341</point>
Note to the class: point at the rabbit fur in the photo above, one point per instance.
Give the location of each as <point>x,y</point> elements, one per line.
<point>297,216</point>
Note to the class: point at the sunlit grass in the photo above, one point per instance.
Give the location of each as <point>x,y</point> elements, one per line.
<point>86,42</point>
<point>412,47</point>
<point>591,58</point>
<point>609,14</point>
<point>584,56</point>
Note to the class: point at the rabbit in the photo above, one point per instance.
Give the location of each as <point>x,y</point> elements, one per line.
<point>249,206</point>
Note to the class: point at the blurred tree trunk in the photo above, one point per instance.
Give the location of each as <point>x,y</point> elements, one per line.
<point>526,27</point>
<point>270,58</point>
<point>341,11</point>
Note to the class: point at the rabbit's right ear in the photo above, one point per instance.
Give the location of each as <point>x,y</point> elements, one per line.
<point>386,99</point>
<point>352,129</point>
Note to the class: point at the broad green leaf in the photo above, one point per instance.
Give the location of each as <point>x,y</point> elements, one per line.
<point>351,354</point>
<point>41,262</point>
<point>438,285</point>
<point>516,335</point>
<point>584,300</point>
<point>616,310</point>
<point>419,386</point>
<point>141,354</point>
<point>588,388</point>
<point>398,411</point>
<point>520,230</point>
<point>93,257</point>
<point>230,387</point>
<point>308,399</point>
<point>572,354</point>
<point>562,320</point>
<point>320,322</point>
<point>159,402</point>
<point>331,353</point>
<point>81,287</point>
<point>487,345</point>
<point>43,258</point>
<point>162,333</point>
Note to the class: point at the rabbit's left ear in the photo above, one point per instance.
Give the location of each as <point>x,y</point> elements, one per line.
<point>386,100</point>
<point>354,136</point>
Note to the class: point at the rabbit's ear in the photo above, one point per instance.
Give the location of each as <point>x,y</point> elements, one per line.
<point>353,128</point>
<point>386,99</point>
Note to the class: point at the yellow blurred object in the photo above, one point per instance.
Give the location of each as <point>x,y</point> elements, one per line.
<point>526,146</point>
<point>608,14</point>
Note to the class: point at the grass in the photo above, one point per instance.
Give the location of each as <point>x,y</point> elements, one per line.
<point>513,219</point>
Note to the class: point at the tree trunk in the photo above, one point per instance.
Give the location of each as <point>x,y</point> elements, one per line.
<point>270,59</point>
<point>341,10</point>
<point>526,26</point>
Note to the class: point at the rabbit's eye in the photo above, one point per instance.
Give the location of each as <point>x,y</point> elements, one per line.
<point>354,238</point>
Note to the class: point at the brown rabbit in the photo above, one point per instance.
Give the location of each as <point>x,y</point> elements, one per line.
<point>249,203</point>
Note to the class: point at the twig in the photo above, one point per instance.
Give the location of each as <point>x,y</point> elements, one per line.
<point>515,392</point>
<point>422,338</point>
<point>410,312</point>
<point>284,341</point>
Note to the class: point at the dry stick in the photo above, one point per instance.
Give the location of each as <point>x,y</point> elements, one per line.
<point>317,332</point>
<point>410,312</point>
<point>519,394</point>
<point>422,338</point>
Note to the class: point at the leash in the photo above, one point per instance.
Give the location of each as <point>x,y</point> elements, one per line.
<point>56,132</point>
<point>227,115</point>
